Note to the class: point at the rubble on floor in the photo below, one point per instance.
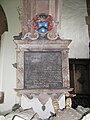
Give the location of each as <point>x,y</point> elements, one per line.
<point>82,110</point>
<point>73,114</point>
<point>66,114</point>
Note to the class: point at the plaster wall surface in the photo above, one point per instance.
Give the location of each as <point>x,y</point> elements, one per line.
<point>8,53</point>
<point>73,26</point>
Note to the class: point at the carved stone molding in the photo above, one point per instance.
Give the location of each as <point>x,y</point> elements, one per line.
<point>43,95</point>
<point>44,46</point>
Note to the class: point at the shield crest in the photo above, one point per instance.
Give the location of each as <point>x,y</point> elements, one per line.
<point>43,23</point>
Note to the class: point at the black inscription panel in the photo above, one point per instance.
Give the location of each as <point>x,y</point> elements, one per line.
<point>42,70</point>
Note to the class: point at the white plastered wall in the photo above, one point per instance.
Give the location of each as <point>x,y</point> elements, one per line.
<point>73,26</point>
<point>8,53</point>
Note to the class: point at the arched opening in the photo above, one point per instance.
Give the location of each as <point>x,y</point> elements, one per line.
<point>3,28</point>
<point>3,22</point>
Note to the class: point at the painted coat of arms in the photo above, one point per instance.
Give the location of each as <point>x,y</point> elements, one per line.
<point>43,23</point>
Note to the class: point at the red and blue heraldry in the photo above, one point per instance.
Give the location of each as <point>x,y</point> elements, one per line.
<point>43,23</point>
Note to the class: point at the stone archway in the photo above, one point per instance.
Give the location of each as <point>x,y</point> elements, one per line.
<point>3,21</point>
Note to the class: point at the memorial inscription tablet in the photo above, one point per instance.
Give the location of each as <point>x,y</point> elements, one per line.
<point>42,69</point>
